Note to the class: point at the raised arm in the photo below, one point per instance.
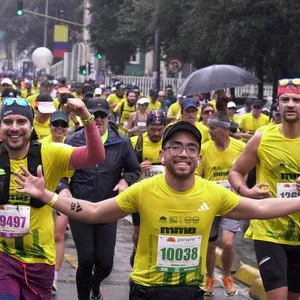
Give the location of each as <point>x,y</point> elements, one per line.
<point>93,152</point>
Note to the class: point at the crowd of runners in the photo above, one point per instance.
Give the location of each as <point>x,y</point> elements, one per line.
<point>188,168</point>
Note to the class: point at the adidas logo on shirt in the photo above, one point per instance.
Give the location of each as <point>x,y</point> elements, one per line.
<point>203,207</point>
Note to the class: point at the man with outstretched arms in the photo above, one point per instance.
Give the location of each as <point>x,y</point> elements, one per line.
<point>176,209</point>
<point>275,153</point>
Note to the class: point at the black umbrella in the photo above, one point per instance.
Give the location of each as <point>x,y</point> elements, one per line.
<point>216,77</point>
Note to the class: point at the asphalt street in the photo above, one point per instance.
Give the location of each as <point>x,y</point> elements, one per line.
<point>116,286</point>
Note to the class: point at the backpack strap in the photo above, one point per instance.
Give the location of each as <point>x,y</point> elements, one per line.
<point>139,148</point>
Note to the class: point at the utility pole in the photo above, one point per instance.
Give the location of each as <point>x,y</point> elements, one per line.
<point>156,52</point>
<point>86,33</point>
<point>46,23</point>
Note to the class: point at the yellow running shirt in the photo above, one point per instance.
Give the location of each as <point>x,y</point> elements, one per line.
<point>42,130</point>
<point>124,111</point>
<point>175,228</point>
<point>153,106</point>
<point>215,164</point>
<point>150,152</point>
<point>248,123</point>
<point>204,132</point>
<point>279,166</point>
<point>174,110</point>
<point>38,246</point>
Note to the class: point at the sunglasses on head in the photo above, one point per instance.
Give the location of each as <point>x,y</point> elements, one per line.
<point>18,101</point>
<point>60,123</point>
<point>285,82</point>
<point>100,114</point>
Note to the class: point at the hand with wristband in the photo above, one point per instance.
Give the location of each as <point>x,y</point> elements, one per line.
<point>78,108</point>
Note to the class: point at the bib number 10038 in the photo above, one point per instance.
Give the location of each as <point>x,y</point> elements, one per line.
<point>179,254</point>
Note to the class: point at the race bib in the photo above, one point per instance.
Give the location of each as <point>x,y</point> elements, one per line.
<point>155,169</point>
<point>225,183</point>
<point>178,253</point>
<point>141,124</point>
<point>287,190</point>
<point>125,125</point>
<point>14,220</point>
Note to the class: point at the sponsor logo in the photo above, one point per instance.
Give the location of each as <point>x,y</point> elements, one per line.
<point>293,176</point>
<point>2,172</point>
<point>178,230</point>
<point>203,207</point>
<point>163,219</point>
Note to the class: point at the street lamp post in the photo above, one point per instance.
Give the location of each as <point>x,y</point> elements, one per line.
<point>46,23</point>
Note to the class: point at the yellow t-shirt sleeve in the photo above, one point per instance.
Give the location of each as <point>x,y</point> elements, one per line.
<point>134,141</point>
<point>128,201</point>
<point>227,200</point>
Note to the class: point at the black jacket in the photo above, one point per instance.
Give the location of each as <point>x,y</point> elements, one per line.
<point>96,183</point>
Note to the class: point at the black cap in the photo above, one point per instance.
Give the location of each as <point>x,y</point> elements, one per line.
<point>258,103</point>
<point>9,93</point>
<point>181,126</point>
<point>98,104</point>
<point>59,115</point>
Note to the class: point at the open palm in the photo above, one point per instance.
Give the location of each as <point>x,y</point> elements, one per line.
<point>31,185</point>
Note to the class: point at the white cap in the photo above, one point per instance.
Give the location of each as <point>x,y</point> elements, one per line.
<point>266,109</point>
<point>143,100</point>
<point>55,82</point>
<point>98,91</point>
<point>179,96</point>
<point>113,89</point>
<point>231,104</point>
<point>102,86</point>
<point>6,81</point>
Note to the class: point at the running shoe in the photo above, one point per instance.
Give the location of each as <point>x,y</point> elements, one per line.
<point>54,287</point>
<point>97,296</point>
<point>230,290</point>
<point>209,286</point>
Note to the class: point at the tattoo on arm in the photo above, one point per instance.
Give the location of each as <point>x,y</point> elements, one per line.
<point>75,207</point>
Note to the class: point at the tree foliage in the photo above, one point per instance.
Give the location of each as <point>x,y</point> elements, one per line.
<point>261,35</point>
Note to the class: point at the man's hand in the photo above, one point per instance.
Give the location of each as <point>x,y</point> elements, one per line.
<point>259,191</point>
<point>121,186</point>
<point>77,107</point>
<point>145,166</point>
<point>31,185</point>
<point>247,135</point>
<point>298,184</point>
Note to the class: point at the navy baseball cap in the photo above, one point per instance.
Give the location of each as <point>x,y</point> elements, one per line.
<point>188,102</point>
<point>98,104</point>
<point>59,115</point>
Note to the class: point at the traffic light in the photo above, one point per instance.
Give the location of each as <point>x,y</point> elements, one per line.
<point>90,68</point>
<point>19,7</point>
<point>99,56</point>
<point>82,70</point>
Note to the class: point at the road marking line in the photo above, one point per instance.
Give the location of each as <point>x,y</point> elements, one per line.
<point>72,260</point>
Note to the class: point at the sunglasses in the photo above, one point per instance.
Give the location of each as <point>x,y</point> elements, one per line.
<point>285,82</point>
<point>256,107</point>
<point>18,101</point>
<point>59,123</point>
<point>234,108</point>
<point>100,114</point>
<point>208,112</point>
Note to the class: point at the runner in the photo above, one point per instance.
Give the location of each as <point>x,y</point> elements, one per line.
<point>274,152</point>
<point>95,243</point>
<point>27,249</point>
<point>176,208</point>
<point>218,157</point>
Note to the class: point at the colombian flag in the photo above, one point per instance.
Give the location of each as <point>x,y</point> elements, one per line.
<point>61,36</point>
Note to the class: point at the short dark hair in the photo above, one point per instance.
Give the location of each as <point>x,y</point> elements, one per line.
<point>130,91</point>
<point>220,116</point>
<point>207,105</point>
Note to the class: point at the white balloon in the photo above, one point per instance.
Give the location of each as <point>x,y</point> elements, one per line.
<point>42,57</point>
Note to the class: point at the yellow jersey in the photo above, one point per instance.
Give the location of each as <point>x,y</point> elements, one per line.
<point>38,245</point>
<point>249,123</point>
<point>213,102</point>
<point>153,106</point>
<point>31,99</point>
<point>35,89</point>
<point>42,130</point>
<point>204,132</point>
<point>124,111</point>
<point>278,165</point>
<point>216,164</point>
<point>174,230</point>
<point>174,110</point>
<point>114,100</point>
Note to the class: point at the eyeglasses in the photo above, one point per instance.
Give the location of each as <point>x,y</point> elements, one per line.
<point>18,101</point>
<point>60,123</point>
<point>191,150</point>
<point>208,112</point>
<point>100,114</point>
<point>284,82</point>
